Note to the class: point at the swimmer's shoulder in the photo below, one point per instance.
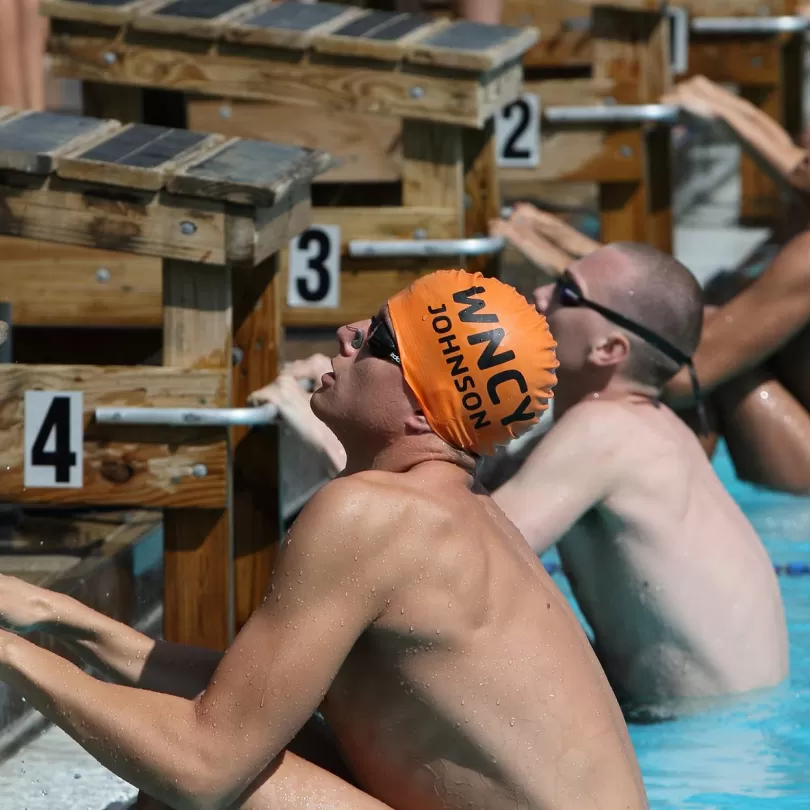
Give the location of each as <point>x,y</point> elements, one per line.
<point>626,431</point>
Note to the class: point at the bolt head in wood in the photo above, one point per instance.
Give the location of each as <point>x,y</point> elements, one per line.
<point>199,470</point>
<point>188,228</point>
<point>110,58</point>
<point>102,275</point>
<point>417,92</point>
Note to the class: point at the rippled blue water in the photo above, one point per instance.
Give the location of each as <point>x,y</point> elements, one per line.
<point>756,753</point>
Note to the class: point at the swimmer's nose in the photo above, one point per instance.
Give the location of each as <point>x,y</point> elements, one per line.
<point>351,337</point>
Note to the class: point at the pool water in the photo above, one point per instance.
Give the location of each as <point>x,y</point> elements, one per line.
<point>754,754</point>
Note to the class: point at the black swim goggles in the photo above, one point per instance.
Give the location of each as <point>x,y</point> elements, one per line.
<point>380,341</point>
<point>570,294</point>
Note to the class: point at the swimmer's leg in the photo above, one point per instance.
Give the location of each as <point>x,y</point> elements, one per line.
<point>293,783</point>
<point>767,431</point>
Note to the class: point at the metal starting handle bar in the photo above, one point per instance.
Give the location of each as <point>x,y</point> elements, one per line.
<point>421,248</point>
<point>613,114</point>
<point>749,25</point>
<point>192,417</point>
<point>722,25</point>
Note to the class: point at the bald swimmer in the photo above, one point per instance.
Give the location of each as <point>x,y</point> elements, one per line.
<point>672,577</point>
<point>404,606</point>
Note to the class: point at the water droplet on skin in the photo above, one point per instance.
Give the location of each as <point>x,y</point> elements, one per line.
<point>342,622</point>
<point>512,722</point>
<point>411,629</point>
<point>438,632</point>
<point>462,701</point>
<point>449,604</point>
<point>498,702</point>
<point>402,610</point>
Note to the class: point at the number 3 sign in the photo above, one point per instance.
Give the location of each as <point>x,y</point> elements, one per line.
<point>315,268</point>
<point>54,439</point>
<point>517,134</point>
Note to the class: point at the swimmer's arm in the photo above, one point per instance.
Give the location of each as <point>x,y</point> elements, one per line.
<point>122,654</point>
<point>565,476</point>
<point>762,137</point>
<point>327,587</point>
<point>752,326</point>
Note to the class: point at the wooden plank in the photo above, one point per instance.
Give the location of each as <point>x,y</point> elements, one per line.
<point>103,12</point>
<point>257,519</point>
<point>198,591</point>
<point>559,44</point>
<point>473,46</point>
<point>139,156</point>
<point>144,223</point>
<point>122,466</point>
<point>633,47</point>
<point>379,35</point>
<point>365,147</point>
<point>735,8</point>
<point>290,25</point>
<point>50,284</point>
<point>30,142</point>
<point>482,193</point>
<point>206,19</point>
<point>249,172</point>
<point>463,99</point>
<point>363,290</point>
<point>748,61</point>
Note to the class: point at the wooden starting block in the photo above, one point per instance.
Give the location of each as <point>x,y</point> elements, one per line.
<point>593,82</point>
<point>214,212</point>
<point>445,80</point>
<point>757,45</point>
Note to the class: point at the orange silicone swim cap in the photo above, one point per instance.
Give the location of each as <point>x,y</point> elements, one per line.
<point>479,359</point>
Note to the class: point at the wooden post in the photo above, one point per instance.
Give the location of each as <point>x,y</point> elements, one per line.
<point>632,48</point>
<point>759,195</point>
<point>482,191</point>
<point>257,504</point>
<point>198,597</point>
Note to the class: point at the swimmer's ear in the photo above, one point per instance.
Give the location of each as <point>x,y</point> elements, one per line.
<point>416,424</point>
<point>612,350</point>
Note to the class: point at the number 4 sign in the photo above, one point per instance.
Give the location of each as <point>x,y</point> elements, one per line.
<point>315,268</point>
<point>517,134</point>
<point>54,439</point>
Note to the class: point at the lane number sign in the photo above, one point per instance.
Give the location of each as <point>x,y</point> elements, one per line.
<point>315,268</point>
<point>54,439</point>
<point>517,133</point>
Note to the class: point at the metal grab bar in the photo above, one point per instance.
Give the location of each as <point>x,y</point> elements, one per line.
<point>421,248</point>
<point>749,25</point>
<point>188,417</point>
<point>613,114</point>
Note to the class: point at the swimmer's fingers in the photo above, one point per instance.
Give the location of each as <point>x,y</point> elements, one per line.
<point>310,369</point>
<point>556,229</point>
<point>698,96</point>
<point>533,246</point>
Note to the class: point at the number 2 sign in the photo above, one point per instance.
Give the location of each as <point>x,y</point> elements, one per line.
<point>54,439</point>
<point>517,134</point>
<point>315,268</point>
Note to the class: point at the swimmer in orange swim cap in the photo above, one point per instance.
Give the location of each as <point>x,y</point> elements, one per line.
<point>478,361</point>
<point>478,358</point>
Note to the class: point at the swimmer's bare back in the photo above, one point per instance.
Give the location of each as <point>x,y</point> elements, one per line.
<point>475,685</point>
